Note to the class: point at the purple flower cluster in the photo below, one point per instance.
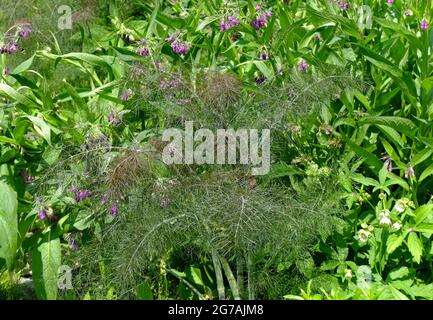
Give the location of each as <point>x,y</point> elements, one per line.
<point>390,1</point>
<point>164,203</point>
<point>114,211</point>
<point>11,45</point>
<point>10,48</point>
<point>409,172</point>
<point>343,5</point>
<point>27,178</point>
<point>80,195</point>
<point>179,47</point>
<point>73,244</point>
<point>25,31</point>
<point>142,50</point>
<point>227,24</point>
<point>424,25</point>
<point>42,215</point>
<point>50,216</point>
<point>264,56</point>
<point>387,162</point>
<point>302,66</point>
<point>261,18</point>
<point>115,118</point>
<point>125,94</point>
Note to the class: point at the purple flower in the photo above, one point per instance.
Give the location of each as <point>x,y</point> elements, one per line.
<point>302,66</point>
<point>42,215</point>
<point>125,95</point>
<point>387,162</point>
<point>73,244</point>
<point>29,179</point>
<point>144,52</point>
<point>164,203</point>
<point>103,201</point>
<point>178,47</point>
<point>233,22</point>
<point>390,1</point>
<point>260,80</point>
<point>268,14</point>
<point>114,211</point>
<point>267,56</point>
<point>409,172</point>
<point>73,189</point>
<point>259,22</point>
<point>257,8</point>
<point>13,47</point>
<point>424,25</point>
<point>261,56</point>
<point>110,117</point>
<point>170,39</point>
<point>25,31</point>
<point>82,195</point>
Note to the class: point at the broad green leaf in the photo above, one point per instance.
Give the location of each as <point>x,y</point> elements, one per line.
<point>11,93</point>
<point>364,180</point>
<point>425,227</point>
<point>426,173</point>
<point>24,66</point>
<point>41,128</point>
<point>421,156</point>
<point>8,224</point>
<point>415,247</point>
<point>422,213</point>
<point>46,262</point>
<point>264,69</point>
<point>398,273</point>
<point>403,125</point>
<point>144,291</point>
<point>368,157</point>
<point>394,241</point>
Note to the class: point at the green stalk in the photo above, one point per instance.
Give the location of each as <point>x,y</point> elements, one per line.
<point>218,275</point>
<point>251,295</point>
<point>240,275</point>
<point>230,277</point>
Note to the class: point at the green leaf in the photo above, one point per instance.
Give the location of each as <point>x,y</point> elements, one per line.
<point>414,245</point>
<point>426,173</point>
<point>364,180</point>
<point>45,266</point>
<point>8,224</point>
<point>421,156</point>
<point>422,213</point>
<point>11,93</point>
<point>368,157</point>
<point>24,66</point>
<point>144,291</point>
<point>394,241</point>
<point>264,69</point>
<point>403,125</point>
<point>398,273</point>
<point>41,128</point>
<point>425,227</point>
